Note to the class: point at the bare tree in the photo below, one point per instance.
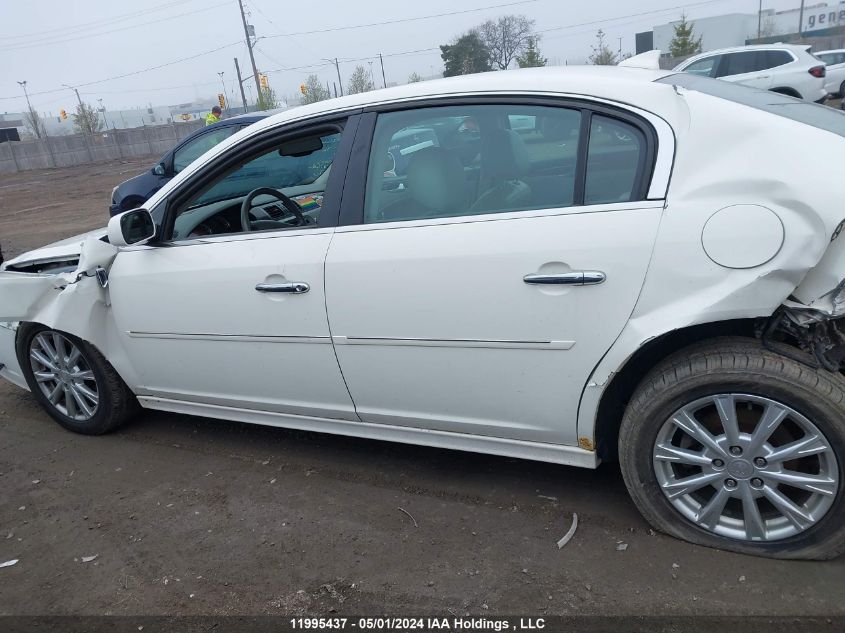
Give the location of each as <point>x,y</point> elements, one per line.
<point>602,54</point>
<point>268,100</point>
<point>87,119</point>
<point>414,78</point>
<point>314,90</point>
<point>769,27</point>
<point>506,38</point>
<point>360,81</point>
<point>34,123</point>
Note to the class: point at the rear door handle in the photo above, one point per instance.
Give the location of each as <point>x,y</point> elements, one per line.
<point>575,278</point>
<point>293,287</point>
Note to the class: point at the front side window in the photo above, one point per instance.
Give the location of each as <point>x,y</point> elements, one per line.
<point>467,160</point>
<point>198,146</point>
<point>281,186</point>
<point>703,67</point>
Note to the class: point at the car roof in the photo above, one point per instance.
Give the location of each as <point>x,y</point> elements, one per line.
<point>612,83</point>
<point>778,46</point>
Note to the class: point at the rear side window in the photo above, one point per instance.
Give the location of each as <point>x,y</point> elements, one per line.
<point>739,63</point>
<point>819,116</point>
<point>703,67</point>
<point>614,159</point>
<point>450,161</point>
<point>773,59</point>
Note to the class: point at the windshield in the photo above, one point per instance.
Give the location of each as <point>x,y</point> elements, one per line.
<point>818,116</point>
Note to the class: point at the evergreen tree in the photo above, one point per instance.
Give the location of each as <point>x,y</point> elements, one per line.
<point>467,54</point>
<point>531,58</point>
<point>684,43</point>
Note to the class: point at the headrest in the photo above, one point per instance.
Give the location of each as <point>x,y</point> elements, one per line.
<point>504,155</point>
<point>436,179</point>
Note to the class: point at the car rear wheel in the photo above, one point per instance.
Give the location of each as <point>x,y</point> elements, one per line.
<point>73,381</point>
<point>730,445</point>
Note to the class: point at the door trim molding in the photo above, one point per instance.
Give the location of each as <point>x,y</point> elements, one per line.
<point>521,449</point>
<point>422,342</point>
<point>239,338</point>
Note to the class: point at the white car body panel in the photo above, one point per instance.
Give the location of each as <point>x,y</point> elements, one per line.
<point>227,344</point>
<point>161,304</point>
<point>835,78</point>
<point>446,300</point>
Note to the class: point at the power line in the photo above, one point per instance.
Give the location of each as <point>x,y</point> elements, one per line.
<point>95,23</point>
<point>632,15</point>
<point>16,46</point>
<point>401,20</point>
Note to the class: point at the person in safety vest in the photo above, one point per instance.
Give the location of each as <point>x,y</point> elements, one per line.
<point>214,116</point>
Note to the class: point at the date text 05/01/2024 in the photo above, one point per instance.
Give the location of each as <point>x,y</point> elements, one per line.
<point>401,624</point>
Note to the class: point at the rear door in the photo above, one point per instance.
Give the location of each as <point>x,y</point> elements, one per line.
<point>475,291</point>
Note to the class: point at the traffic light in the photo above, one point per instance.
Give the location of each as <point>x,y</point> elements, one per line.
<point>303,88</point>
<point>63,114</point>
<point>221,100</point>
<point>263,79</point>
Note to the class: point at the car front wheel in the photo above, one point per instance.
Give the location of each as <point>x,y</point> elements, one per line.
<point>730,445</point>
<point>72,381</point>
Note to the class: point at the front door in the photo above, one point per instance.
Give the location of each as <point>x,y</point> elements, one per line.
<point>229,309</point>
<point>474,296</point>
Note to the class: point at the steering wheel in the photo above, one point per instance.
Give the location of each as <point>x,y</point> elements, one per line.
<point>287,203</point>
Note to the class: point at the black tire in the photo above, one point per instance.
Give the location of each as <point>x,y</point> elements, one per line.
<point>116,405</point>
<point>738,366</point>
<point>841,94</point>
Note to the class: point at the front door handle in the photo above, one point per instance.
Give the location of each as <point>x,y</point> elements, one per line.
<point>293,287</point>
<point>575,278</point>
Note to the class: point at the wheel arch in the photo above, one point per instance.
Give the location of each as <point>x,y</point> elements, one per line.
<point>615,396</point>
<point>786,90</point>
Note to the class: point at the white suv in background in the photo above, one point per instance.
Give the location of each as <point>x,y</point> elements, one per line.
<point>835,60</point>
<point>784,68</point>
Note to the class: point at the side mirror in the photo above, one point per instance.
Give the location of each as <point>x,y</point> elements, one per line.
<point>159,170</point>
<point>131,228</point>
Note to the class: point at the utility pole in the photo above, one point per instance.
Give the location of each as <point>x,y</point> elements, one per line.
<point>339,80</point>
<point>383,78</point>
<point>29,105</point>
<point>801,20</point>
<point>759,19</point>
<point>240,83</point>
<point>90,131</point>
<point>249,48</point>
<point>223,83</point>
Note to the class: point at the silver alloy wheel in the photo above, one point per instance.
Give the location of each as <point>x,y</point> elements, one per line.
<point>746,467</point>
<point>64,375</point>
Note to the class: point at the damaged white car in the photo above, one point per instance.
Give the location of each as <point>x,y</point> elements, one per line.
<point>567,265</point>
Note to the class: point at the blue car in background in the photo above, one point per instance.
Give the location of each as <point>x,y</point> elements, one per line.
<point>132,193</point>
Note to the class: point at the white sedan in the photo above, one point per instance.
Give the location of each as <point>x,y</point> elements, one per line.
<point>568,265</point>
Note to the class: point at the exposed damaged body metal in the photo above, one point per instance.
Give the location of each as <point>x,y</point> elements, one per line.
<point>735,237</point>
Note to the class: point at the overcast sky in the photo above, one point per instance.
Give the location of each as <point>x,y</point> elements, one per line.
<point>53,42</point>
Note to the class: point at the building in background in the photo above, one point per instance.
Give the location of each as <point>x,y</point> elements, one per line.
<point>736,29</point>
<point>12,127</point>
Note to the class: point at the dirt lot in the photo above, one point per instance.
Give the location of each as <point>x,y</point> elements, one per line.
<point>195,516</point>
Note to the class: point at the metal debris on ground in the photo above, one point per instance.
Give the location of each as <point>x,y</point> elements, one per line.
<point>88,559</point>
<point>621,547</point>
<point>568,536</point>
<point>410,515</point>
<point>9,563</point>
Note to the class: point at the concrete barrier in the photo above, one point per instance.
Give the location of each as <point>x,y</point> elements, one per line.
<point>79,149</point>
